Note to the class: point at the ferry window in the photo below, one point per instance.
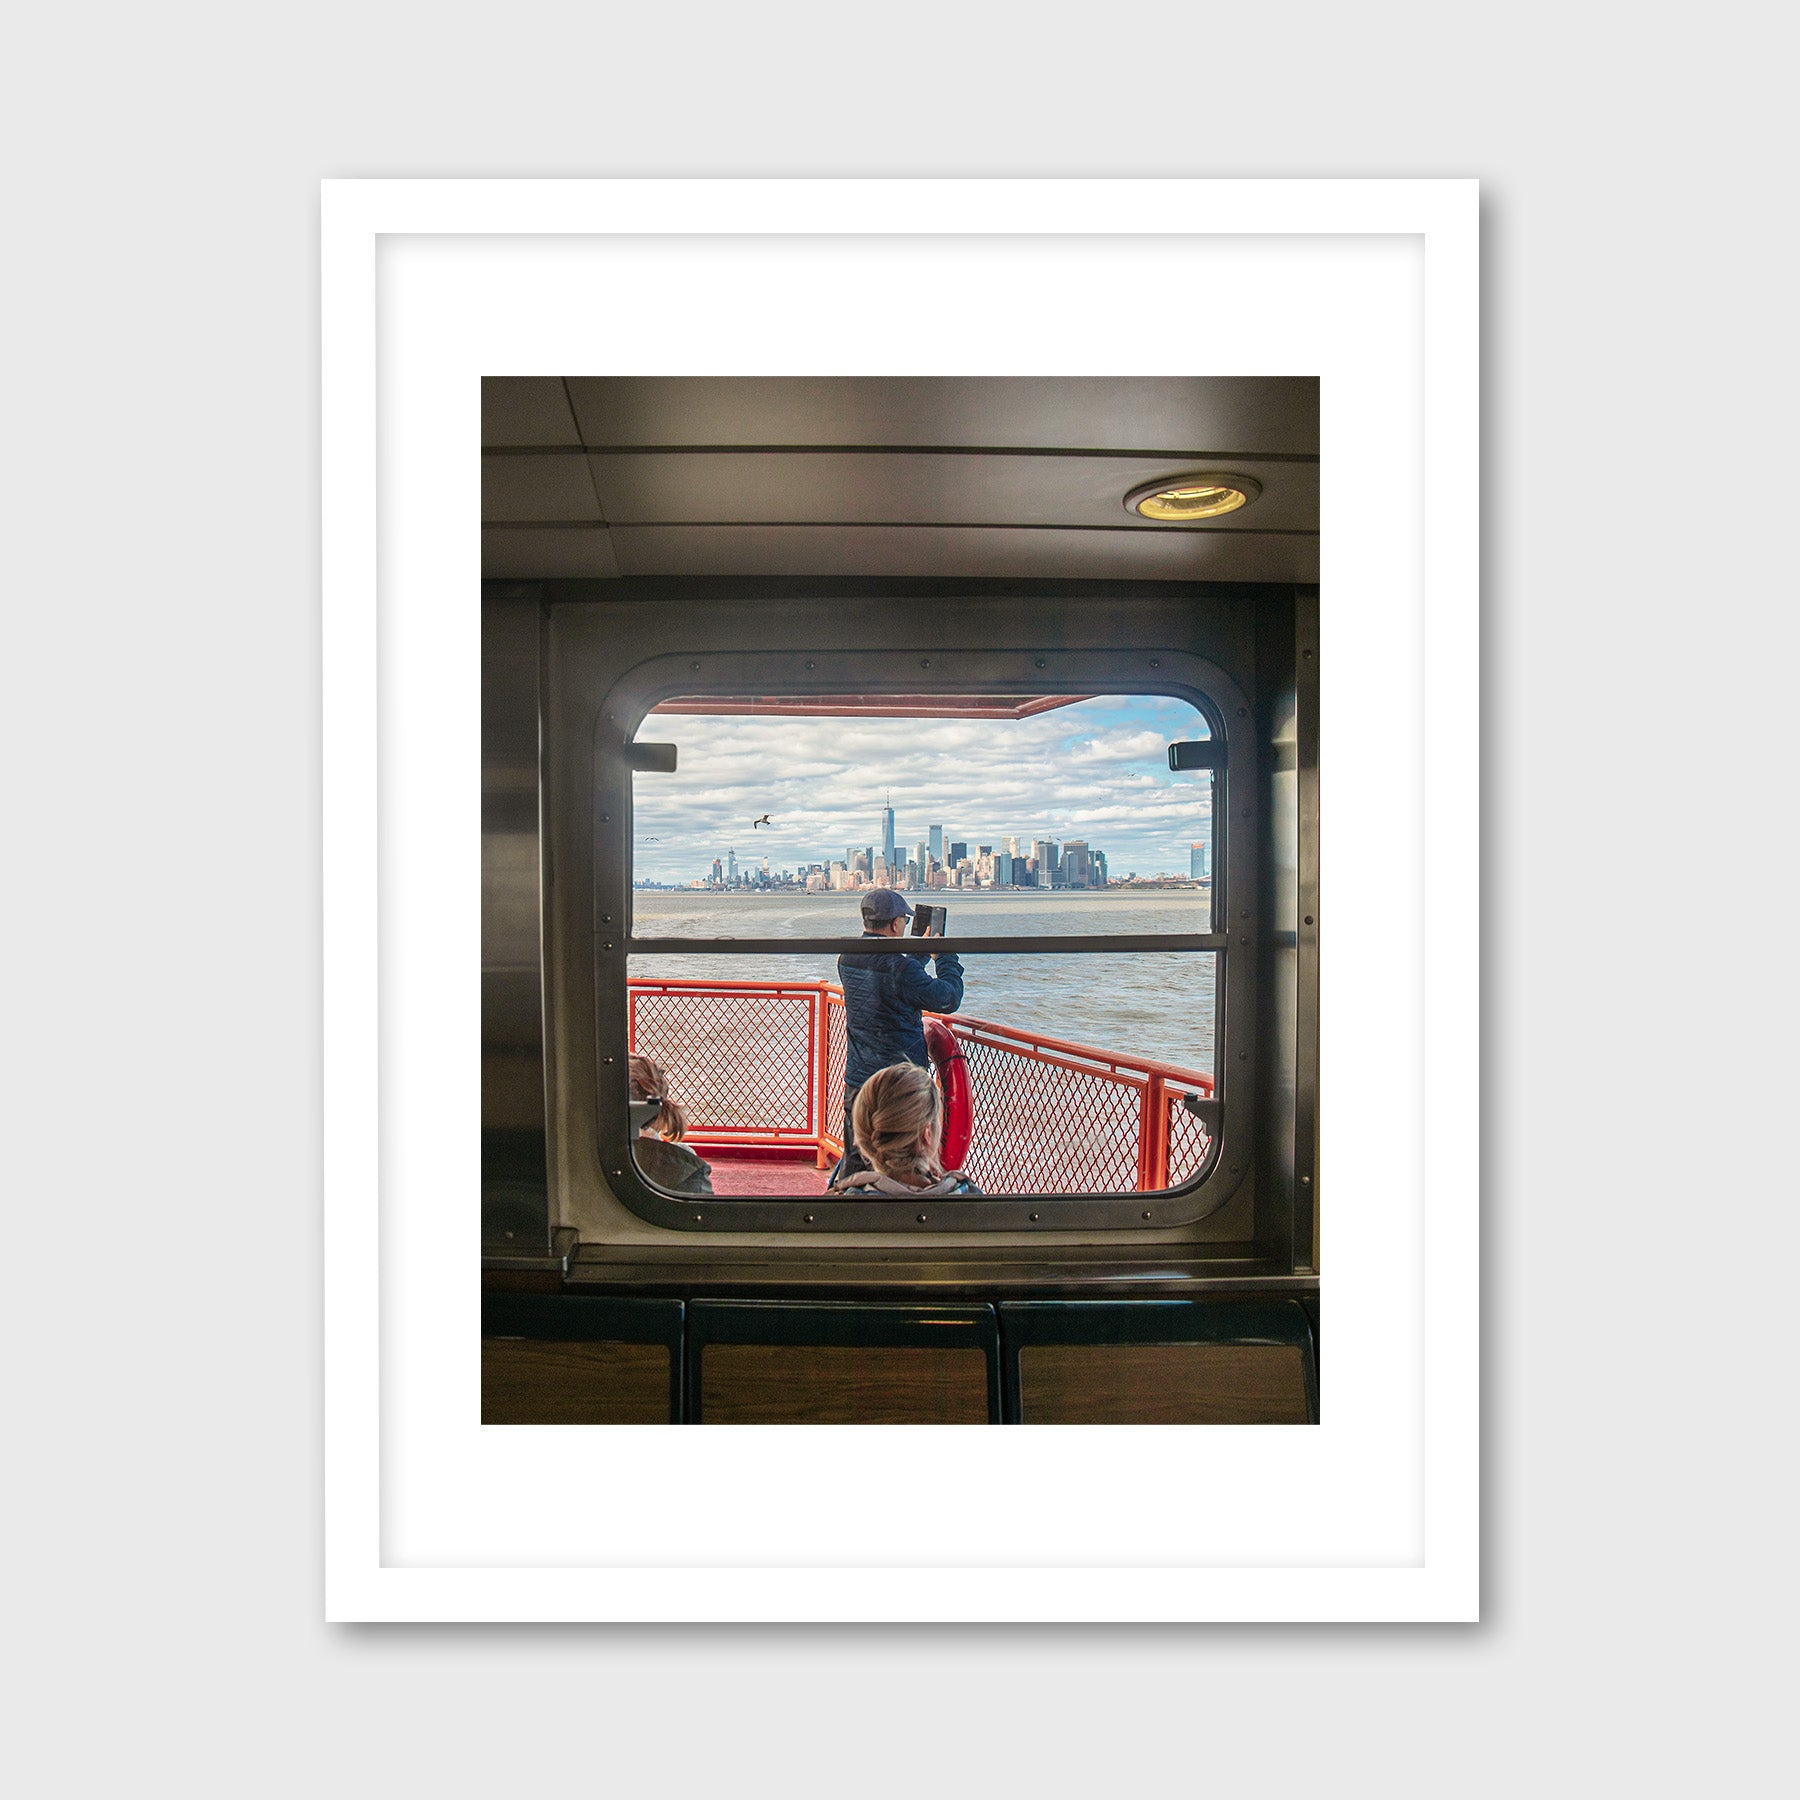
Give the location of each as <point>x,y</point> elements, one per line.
<point>1092,1063</point>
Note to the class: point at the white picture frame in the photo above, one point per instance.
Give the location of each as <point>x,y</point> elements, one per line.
<point>1372,286</point>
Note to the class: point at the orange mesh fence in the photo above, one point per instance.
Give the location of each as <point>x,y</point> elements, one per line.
<point>837,1054</point>
<point>764,1061</point>
<point>1046,1124</point>
<point>739,1054</point>
<point>1189,1140</point>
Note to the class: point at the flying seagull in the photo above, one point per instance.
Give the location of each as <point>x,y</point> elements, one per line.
<point>764,820</point>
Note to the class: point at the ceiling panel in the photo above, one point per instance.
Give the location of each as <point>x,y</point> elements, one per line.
<point>545,553</point>
<point>805,487</point>
<point>1198,415</point>
<point>962,552</point>
<point>541,489</point>
<point>526,409</point>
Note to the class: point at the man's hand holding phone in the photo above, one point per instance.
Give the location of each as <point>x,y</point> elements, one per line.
<point>928,921</point>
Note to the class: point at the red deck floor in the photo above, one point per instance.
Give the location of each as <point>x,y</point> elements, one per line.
<point>736,1174</point>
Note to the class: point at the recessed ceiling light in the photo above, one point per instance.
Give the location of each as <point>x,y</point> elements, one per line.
<point>1192,497</point>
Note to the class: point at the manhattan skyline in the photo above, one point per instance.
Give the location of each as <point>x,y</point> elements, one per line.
<point>1096,771</point>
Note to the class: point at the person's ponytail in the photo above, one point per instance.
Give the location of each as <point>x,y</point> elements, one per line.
<point>650,1081</point>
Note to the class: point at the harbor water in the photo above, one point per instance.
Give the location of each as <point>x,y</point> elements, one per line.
<point>1147,1004</point>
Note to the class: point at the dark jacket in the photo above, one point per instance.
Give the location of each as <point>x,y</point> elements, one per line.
<point>885,998</point>
<point>672,1166</point>
<point>868,1185</point>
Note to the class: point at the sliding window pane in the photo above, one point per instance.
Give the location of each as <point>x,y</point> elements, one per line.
<point>1065,819</point>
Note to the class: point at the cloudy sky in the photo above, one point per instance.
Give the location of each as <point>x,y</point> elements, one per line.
<point>1097,770</point>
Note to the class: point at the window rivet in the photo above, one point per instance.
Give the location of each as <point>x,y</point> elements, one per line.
<point>1306,1181</point>
<point>812,665</point>
<point>1306,653</point>
<point>1243,712</point>
<point>1243,1056</point>
<point>1243,912</point>
<point>1041,663</point>
<point>609,946</point>
<point>1143,1215</point>
<point>612,1059</point>
<point>921,1218</point>
<point>693,665</point>
<point>924,662</point>
<point>1309,918</point>
<point>699,1218</point>
<point>1035,1217</point>
<point>1241,940</point>
<point>1156,662</point>
<point>606,818</point>
<point>617,1173</point>
<point>809,1218</point>
<point>1243,812</point>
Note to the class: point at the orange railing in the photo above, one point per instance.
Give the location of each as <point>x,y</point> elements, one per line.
<point>762,1063</point>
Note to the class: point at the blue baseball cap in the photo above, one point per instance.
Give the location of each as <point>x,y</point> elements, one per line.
<point>882,905</point>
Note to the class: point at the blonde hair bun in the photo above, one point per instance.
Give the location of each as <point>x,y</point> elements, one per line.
<point>896,1108</point>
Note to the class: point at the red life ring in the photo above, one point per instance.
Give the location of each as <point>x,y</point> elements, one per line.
<point>952,1070</point>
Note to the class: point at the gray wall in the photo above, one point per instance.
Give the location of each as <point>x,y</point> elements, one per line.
<point>163,643</point>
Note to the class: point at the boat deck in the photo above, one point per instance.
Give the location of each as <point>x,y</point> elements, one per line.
<point>736,1171</point>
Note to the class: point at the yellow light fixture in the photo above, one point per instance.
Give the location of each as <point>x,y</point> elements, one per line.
<point>1192,497</point>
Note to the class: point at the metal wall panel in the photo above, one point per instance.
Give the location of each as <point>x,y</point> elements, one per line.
<point>969,553</point>
<point>526,410</point>
<point>1200,415</point>
<point>906,488</point>
<point>548,553</point>
<point>515,1186</point>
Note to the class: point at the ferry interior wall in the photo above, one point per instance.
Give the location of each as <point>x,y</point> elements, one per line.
<point>677,568</point>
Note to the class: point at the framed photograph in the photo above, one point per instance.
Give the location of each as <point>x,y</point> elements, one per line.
<point>901,853</point>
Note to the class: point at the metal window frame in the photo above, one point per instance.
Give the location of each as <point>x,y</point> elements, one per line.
<point>1236,827</point>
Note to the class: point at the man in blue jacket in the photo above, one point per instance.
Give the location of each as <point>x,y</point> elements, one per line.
<point>886,995</point>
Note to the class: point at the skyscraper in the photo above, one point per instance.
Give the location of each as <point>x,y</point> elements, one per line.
<point>730,866</point>
<point>936,838</point>
<point>887,835</point>
<point>1199,861</point>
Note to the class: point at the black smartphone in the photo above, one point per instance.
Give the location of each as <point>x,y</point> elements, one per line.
<point>928,918</point>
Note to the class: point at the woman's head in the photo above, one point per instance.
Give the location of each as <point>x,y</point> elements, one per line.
<point>899,1124</point>
<point>650,1081</point>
